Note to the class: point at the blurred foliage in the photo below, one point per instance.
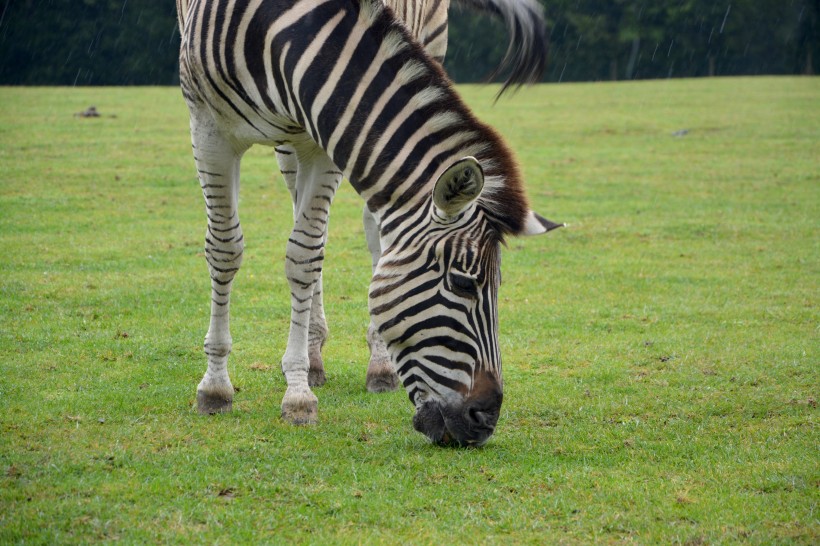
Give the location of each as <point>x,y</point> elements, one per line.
<point>641,39</point>
<point>135,42</point>
<point>89,42</point>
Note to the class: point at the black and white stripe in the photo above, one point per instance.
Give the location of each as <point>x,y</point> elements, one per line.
<point>341,89</point>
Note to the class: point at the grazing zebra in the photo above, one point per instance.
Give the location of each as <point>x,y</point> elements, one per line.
<point>346,89</point>
<point>427,21</point>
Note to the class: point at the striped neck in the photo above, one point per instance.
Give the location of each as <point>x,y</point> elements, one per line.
<point>385,112</point>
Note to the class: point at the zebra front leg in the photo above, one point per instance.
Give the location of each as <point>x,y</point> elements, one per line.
<point>316,183</point>
<point>217,163</point>
<point>380,374</point>
<point>317,331</point>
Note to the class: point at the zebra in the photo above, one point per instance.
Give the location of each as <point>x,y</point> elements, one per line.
<point>342,85</point>
<point>427,22</point>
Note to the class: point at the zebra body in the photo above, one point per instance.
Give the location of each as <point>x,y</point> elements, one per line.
<point>341,90</point>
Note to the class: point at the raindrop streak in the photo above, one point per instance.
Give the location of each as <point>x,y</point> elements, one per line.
<point>3,15</point>
<point>94,43</point>
<point>723,24</point>
<point>122,13</point>
<point>668,53</point>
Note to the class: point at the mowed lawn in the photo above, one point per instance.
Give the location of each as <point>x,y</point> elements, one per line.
<point>661,354</point>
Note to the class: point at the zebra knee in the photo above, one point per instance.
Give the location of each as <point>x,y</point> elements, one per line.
<point>303,265</point>
<point>224,257</point>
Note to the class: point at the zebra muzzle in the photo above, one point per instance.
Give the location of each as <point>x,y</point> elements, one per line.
<point>468,424</point>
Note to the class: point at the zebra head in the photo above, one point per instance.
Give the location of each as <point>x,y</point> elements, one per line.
<point>434,300</point>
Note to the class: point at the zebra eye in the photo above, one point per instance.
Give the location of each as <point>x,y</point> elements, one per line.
<point>463,286</point>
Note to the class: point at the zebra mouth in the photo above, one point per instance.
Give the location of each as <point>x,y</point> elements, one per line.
<point>469,425</point>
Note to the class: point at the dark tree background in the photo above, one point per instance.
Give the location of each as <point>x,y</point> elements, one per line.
<point>89,42</point>
<point>135,42</point>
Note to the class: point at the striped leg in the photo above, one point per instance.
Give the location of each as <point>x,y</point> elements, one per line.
<point>380,374</point>
<point>317,334</point>
<point>217,162</point>
<point>317,331</point>
<point>317,179</point>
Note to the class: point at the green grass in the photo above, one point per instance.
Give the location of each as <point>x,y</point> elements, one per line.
<point>661,354</point>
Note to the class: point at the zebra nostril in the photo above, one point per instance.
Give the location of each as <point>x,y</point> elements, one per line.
<point>481,418</point>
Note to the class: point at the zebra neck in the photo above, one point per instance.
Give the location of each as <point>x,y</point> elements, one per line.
<point>385,113</point>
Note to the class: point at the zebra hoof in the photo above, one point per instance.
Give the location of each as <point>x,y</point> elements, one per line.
<point>316,372</point>
<point>316,377</point>
<point>300,407</point>
<point>212,403</point>
<point>385,381</point>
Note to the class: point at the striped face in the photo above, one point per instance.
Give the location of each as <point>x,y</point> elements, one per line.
<point>434,300</point>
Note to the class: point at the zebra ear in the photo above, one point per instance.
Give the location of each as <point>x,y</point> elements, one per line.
<point>458,186</point>
<point>535,224</point>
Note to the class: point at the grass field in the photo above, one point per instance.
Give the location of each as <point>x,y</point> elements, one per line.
<point>661,354</point>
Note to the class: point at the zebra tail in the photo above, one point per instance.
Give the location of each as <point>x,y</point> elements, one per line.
<point>526,56</point>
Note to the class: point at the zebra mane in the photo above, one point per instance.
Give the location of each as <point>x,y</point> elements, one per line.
<point>503,197</point>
